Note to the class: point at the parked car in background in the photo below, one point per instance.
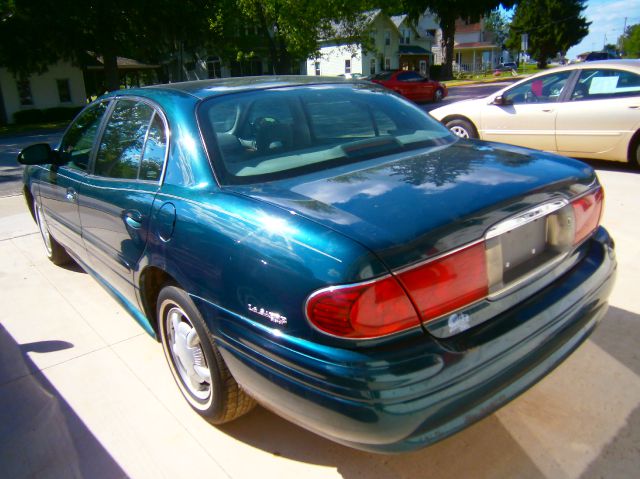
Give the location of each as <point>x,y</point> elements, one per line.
<point>584,110</point>
<point>507,67</point>
<point>411,85</point>
<point>327,249</point>
<point>594,56</point>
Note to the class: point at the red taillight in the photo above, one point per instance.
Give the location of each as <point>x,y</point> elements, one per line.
<point>439,286</point>
<point>448,283</point>
<point>362,311</point>
<point>587,210</point>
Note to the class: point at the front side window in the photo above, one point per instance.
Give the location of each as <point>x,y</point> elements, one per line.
<point>544,89</point>
<point>120,151</point>
<point>600,84</point>
<point>279,133</point>
<point>77,143</point>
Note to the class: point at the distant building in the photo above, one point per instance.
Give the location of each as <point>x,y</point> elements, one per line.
<point>396,44</point>
<point>474,46</point>
<point>62,85</point>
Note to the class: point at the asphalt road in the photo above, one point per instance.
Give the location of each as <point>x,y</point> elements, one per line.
<point>10,170</point>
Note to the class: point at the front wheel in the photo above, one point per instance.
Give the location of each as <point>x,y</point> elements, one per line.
<point>54,250</point>
<point>462,128</point>
<point>438,95</point>
<point>195,362</point>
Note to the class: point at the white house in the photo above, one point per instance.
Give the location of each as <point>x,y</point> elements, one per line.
<point>397,44</point>
<point>62,85</point>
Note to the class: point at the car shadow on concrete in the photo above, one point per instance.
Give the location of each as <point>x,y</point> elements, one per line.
<point>611,165</point>
<point>618,335</point>
<point>40,434</point>
<point>486,449</point>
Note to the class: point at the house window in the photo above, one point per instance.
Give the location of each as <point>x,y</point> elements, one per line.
<point>372,66</point>
<point>64,90</point>
<point>373,34</point>
<point>387,63</point>
<point>317,68</point>
<point>387,37</point>
<point>431,32</point>
<point>405,37</point>
<point>24,92</point>
<point>347,66</point>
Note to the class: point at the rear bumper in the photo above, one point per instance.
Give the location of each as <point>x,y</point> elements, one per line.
<point>404,395</point>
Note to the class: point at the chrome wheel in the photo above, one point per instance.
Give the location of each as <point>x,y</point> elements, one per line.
<point>437,96</point>
<point>187,356</point>
<point>459,131</point>
<point>44,230</point>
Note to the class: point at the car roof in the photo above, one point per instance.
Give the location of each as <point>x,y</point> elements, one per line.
<point>632,64</point>
<point>215,87</point>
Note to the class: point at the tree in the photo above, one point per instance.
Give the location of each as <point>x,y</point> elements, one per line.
<point>631,42</point>
<point>37,33</point>
<point>498,24</point>
<point>292,29</point>
<point>448,11</point>
<point>552,25</point>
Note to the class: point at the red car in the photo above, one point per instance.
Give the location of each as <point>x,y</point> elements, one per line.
<point>412,85</point>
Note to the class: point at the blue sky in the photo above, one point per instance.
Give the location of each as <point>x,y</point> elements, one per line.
<point>607,19</point>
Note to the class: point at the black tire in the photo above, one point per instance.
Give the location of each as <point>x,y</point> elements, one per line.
<point>216,396</point>
<point>54,250</point>
<point>438,95</point>
<point>462,128</point>
<point>634,152</point>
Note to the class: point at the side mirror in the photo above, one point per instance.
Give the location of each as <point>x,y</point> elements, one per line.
<point>501,100</point>
<point>38,154</point>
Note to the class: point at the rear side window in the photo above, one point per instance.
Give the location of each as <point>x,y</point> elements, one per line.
<point>133,144</point>
<point>600,84</point>
<point>278,133</point>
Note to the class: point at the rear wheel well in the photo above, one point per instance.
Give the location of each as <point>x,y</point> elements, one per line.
<point>632,153</point>
<point>449,118</point>
<point>152,281</point>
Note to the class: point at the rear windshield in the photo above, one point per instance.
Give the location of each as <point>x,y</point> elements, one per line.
<point>278,133</point>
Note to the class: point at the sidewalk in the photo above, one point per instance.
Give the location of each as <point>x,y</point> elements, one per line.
<point>84,392</point>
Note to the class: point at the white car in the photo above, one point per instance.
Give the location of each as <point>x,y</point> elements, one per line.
<point>587,110</point>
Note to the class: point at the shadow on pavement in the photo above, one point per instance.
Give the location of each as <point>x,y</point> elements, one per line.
<point>486,449</point>
<point>40,435</point>
<point>618,335</point>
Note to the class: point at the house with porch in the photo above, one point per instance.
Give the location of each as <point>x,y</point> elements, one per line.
<point>395,44</point>
<point>474,47</point>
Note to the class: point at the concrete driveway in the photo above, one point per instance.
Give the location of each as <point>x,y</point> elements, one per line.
<point>85,393</point>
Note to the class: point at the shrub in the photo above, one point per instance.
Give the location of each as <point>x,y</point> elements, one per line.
<point>48,115</point>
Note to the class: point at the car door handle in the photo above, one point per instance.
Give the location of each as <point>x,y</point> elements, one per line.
<point>72,195</point>
<point>547,110</point>
<point>634,107</point>
<point>133,219</point>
